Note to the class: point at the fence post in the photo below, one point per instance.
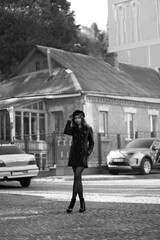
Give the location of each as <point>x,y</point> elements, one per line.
<point>54,147</point>
<point>153,134</point>
<point>99,149</point>
<point>136,134</point>
<point>26,143</point>
<point>118,140</point>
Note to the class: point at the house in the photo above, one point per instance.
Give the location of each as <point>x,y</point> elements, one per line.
<point>49,84</point>
<point>134,31</point>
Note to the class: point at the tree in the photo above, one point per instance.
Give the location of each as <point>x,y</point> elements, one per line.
<point>26,23</point>
<point>92,41</point>
<point>95,31</point>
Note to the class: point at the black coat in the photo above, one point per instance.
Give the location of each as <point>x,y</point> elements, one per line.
<point>82,144</point>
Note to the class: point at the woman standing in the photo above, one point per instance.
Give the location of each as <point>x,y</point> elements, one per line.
<point>81,148</point>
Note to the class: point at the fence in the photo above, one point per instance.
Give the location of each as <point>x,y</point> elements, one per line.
<point>53,151</point>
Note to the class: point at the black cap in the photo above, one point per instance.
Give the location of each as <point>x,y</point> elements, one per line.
<point>78,112</point>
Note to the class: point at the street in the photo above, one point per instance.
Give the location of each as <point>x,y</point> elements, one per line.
<point>117,208</point>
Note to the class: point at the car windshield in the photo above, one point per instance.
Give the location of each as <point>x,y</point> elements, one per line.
<point>139,143</point>
<point>5,150</point>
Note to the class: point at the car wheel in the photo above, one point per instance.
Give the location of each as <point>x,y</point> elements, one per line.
<point>113,172</point>
<point>145,167</point>
<point>25,182</point>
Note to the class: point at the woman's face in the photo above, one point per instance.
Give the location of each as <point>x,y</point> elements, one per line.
<point>77,119</point>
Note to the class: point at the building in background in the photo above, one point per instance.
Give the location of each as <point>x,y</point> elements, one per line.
<point>134,31</point>
<point>49,84</point>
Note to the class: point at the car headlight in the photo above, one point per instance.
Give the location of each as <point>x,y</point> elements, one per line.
<point>32,161</point>
<point>109,157</point>
<point>133,161</point>
<point>2,164</point>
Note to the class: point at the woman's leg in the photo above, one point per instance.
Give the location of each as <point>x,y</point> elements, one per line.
<point>77,184</point>
<point>77,188</point>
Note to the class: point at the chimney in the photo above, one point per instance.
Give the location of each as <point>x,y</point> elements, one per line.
<point>49,61</point>
<point>111,58</point>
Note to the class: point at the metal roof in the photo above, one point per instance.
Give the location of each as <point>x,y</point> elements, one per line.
<point>85,74</point>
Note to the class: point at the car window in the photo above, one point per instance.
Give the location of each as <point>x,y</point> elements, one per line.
<point>156,144</point>
<point>5,150</point>
<point>140,143</point>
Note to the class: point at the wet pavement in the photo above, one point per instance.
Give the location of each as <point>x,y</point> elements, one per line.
<point>31,217</point>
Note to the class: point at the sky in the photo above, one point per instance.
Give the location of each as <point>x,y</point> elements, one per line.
<point>89,11</point>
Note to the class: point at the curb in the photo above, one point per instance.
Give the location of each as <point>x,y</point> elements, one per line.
<point>100,177</point>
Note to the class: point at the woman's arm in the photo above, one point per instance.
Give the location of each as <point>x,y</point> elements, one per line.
<point>91,141</point>
<point>68,128</point>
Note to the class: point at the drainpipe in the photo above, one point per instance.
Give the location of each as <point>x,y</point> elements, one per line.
<point>49,61</point>
<point>12,123</point>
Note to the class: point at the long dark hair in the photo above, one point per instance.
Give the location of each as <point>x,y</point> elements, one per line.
<point>83,122</point>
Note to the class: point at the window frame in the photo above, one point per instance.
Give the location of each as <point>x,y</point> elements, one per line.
<point>153,114</point>
<point>153,124</point>
<point>31,112</point>
<point>57,118</point>
<point>5,127</point>
<point>103,130</point>
<point>130,118</point>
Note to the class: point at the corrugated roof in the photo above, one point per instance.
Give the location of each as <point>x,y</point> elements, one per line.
<point>88,74</point>
<point>147,78</point>
<point>96,75</point>
<point>38,83</point>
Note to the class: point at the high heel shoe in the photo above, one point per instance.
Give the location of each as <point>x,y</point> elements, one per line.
<point>82,205</point>
<point>71,205</point>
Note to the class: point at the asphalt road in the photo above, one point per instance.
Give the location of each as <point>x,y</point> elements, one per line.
<point>120,207</point>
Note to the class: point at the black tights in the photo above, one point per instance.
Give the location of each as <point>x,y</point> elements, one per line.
<point>77,184</point>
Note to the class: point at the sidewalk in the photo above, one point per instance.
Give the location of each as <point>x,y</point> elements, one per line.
<point>34,218</point>
<point>155,174</point>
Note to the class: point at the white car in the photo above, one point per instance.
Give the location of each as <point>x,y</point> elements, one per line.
<point>142,154</point>
<point>16,165</point>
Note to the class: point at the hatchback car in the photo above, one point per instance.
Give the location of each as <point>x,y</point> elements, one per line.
<point>142,154</point>
<point>16,165</point>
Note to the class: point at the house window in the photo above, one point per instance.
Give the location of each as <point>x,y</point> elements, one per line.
<point>135,29</point>
<point>7,118</point>
<point>57,121</point>
<point>18,125</point>
<point>40,105</point>
<point>127,21</point>
<point>26,123</point>
<point>35,106</point>
<point>37,65</point>
<point>34,126</point>
<point>121,23</point>
<point>4,127</point>
<point>153,116</point>
<point>42,126</point>
<point>103,122</point>
<point>129,118</point>
<point>153,124</point>
<point>158,16</point>
<point>2,130</point>
<point>30,123</point>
